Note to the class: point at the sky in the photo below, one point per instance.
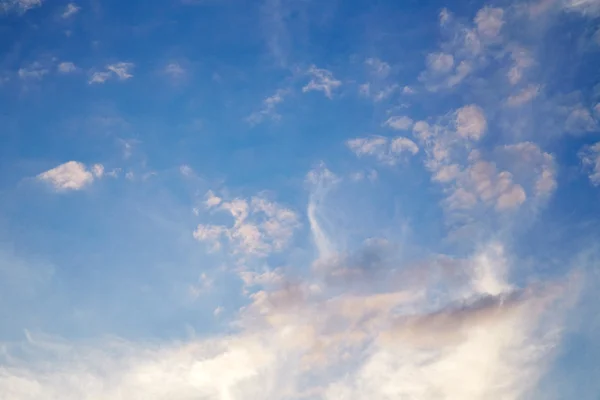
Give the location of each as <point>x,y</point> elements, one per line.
<point>299,199</point>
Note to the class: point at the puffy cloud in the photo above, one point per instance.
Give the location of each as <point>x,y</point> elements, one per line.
<point>590,158</point>
<point>383,149</point>
<point>524,96</point>
<point>66,67</point>
<point>70,10</point>
<point>581,120</point>
<point>489,22</point>
<point>260,226</point>
<point>533,166</point>
<point>400,123</point>
<point>471,122</point>
<point>71,175</point>
<point>321,80</point>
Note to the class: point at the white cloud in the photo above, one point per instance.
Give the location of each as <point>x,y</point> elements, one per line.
<point>524,96</point>
<point>534,167</point>
<point>120,70</point>
<point>379,68</point>
<point>522,60</point>
<point>269,108</point>
<point>175,70</point>
<point>384,150</point>
<point>471,122</point>
<point>590,158</point>
<point>66,67</point>
<point>71,175</point>
<point>34,71</point>
<point>71,10</point>
<point>581,120</point>
<point>489,22</point>
<point>321,80</point>
<point>400,123</point>
<point>260,226</point>
<point>99,77</point>
<point>440,62</point>
<point>435,335</point>
<point>20,6</point>
<point>585,7</point>
<point>186,170</point>
<point>98,170</point>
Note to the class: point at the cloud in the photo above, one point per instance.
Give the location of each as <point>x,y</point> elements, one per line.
<point>586,7</point>
<point>489,22</point>
<point>300,339</point>
<point>71,175</point>
<point>34,71</point>
<point>524,96</point>
<point>19,6</point>
<point>590,158</point>
<point>384,150</point>
<point>71,10</point>
<point>471,122</point>
<point>399,123</point>
<point>321,80</point>
<point>260,226</point>
<point>269,108</point>
<point>581,120</point>
<point>120,70</point>
<point>66,67</point>
<point>379,68</point>
<point>440,62</point>
<point>522,60</point>
<point>175,70</point>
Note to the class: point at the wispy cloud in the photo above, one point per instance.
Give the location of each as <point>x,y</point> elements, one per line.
<point>34,71</point>
<point>321,80</point>
<point>526,95</point>
<point>120,70</point>
<point>590,158</point>
<point>70,10</point>
<point>19,6</point>
<point>384,150</point>
<point>269,108</point>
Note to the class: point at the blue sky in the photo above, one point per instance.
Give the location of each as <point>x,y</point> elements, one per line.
<point>299,199</point>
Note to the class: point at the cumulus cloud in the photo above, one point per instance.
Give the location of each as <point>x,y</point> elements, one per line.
<point>581,120</point>
<point>471,122</point>
<point>321,80</point>
<point>175,70</point>
<point>120,70</point>
<point>590,158</point>
<point>385,150</point>
<point>489,22</point>
<point>70,10</point>
<point>379,68</point>
<point>259,228</point>
<point>71,175</point>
